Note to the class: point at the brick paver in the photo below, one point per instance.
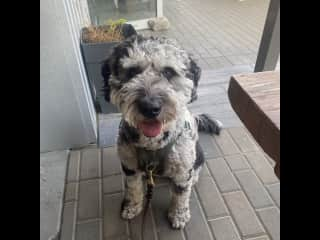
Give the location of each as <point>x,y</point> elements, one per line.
<point>243,214</point>
<point>226,144</point>
<point>274,191</point>
<point>113,183</point>
<point>222,175</point>
<point>89,199</point>
<point>110,162</point>
<point>237,196</point>
<point>271,220</point>
<point>90,164</point>
<point>237,162</point>
<point>114,227</point>
<point>68,221</point>
<point>210,149</point>
<point>73,166</point>
<point>256,193</point>
<point>89,230</point>
<point>211,198</point>
<point>198,227</point>
<point>260,238</point>
<point>262,167</point>
<point>224,229</point>
<point>71,191</point>
<point>243,139</point>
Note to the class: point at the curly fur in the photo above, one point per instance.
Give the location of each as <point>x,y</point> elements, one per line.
<point>160,68</point>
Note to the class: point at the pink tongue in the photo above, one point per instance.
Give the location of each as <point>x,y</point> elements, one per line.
<point>150,129</point>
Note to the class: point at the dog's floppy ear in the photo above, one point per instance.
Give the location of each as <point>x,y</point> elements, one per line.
<point>194,73</point>
<point>106,72</point>
<point>128,31</point>
<point>112,66</point>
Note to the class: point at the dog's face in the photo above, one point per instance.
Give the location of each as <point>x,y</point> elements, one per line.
<point>150,80</point>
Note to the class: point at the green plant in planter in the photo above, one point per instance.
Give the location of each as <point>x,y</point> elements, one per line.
<point>111,32</point>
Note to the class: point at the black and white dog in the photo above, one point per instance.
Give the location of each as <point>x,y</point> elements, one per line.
<point>151,81</point>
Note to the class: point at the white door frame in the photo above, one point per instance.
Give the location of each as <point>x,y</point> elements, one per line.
<point>77,14</point>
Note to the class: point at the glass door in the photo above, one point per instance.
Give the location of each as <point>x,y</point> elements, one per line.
<point>136,12</point>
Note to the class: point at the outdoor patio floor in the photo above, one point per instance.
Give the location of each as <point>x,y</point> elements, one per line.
<point>237,196</point>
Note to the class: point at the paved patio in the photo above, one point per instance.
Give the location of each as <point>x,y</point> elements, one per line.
<point>237,196</point>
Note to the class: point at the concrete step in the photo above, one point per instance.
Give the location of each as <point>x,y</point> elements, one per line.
<point>53,166</point>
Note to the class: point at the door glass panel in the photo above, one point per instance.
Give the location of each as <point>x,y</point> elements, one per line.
<point>102,10</point>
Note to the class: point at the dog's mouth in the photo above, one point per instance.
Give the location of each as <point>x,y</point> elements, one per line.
<point>150,128</point>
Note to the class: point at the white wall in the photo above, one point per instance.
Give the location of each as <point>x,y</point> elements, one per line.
<point>67,116</point>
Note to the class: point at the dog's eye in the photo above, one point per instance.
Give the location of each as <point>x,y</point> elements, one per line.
<point>132,72</point>
<point>168,72</point>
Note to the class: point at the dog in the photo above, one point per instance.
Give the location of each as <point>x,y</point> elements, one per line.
<point>151,81</point>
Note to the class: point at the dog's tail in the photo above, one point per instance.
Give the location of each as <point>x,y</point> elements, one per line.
<point>207,124</point>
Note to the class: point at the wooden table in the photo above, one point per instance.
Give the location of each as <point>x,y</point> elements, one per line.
<point>255,97</point>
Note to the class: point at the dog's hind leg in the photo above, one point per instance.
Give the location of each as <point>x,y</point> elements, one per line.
<point>133,201</point>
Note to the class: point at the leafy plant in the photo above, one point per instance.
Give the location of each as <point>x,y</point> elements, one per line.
<point>111,32</point>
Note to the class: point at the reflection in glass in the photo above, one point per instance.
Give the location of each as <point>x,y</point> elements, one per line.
<point>103,10</point>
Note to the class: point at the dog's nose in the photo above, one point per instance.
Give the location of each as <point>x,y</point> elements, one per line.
<point>149,107</point>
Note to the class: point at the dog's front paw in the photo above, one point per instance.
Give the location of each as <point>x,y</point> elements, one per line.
<point>129,211</point>
<point>179,217</point>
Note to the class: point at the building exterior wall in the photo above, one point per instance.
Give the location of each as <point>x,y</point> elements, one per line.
<point>67,115</point>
